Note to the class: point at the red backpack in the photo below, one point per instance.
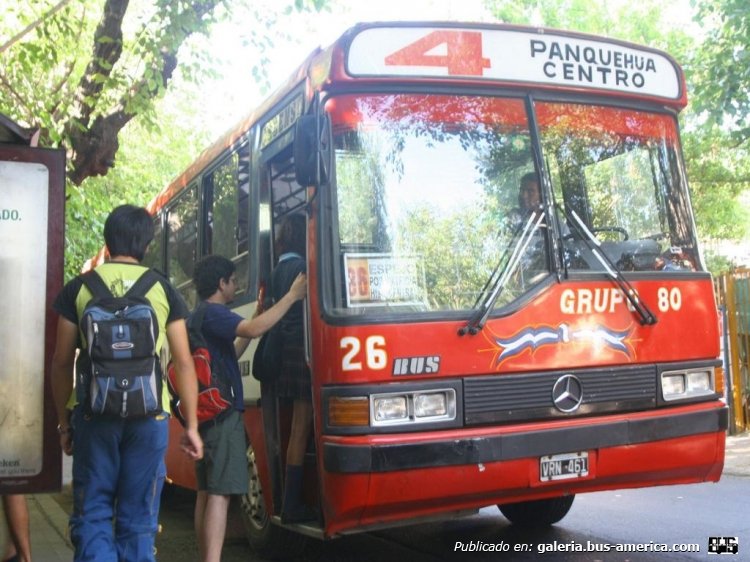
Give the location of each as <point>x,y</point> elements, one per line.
<point>215,394</point>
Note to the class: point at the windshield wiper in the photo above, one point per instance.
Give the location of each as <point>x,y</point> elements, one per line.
<point>499,277</point>
<point>645,316</point>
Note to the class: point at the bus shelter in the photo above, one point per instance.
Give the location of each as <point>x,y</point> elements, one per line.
<point>32,195</point>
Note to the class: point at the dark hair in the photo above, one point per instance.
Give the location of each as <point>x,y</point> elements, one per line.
<point>128,231</point>
<point>290,234</point>
<point>208,272</point>
<point>531,176</point>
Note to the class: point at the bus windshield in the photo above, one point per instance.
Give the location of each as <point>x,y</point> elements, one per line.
<point>618,171</point>
<point>428,210</point>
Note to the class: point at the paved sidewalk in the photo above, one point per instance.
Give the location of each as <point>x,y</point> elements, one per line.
<point>737,456</point>
<point>49,521</point>
<point>49,530</point>
<point>49,527</point>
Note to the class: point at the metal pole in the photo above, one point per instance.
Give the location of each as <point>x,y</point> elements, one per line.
<point>727,368</point>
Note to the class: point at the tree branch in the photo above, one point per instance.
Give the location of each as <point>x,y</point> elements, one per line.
<point>107,51</point>
<point>59,86</point>
<point>33,25</point>
<point>94,147</point>
<point>19,98</point>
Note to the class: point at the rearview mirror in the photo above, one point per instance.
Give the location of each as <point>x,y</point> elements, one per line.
<point>311,150</point>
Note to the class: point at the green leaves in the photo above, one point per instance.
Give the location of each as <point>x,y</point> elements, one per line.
<point>722,66</point>
<point>81,70</point>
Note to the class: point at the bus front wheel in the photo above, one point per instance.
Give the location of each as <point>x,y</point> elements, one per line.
<point>537,513</point>
<point>267,539</point>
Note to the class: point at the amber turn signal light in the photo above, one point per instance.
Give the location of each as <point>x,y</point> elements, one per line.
<point>348,411</point>
<point>719,380</point>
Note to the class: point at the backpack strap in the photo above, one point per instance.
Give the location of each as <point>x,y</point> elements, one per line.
<point>143,284</point>
<point>196,317</point>
<point>99,289</point>
<point>195,326</point>
<point>95,284</point>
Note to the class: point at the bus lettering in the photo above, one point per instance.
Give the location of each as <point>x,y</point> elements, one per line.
<point>416,365</point>
<point>554,50</point>
<point>359,282</point>
<point>376,357</point>
<point>353,345</point>
<point>587,301</point>
<point>669,299</point>
<point>586,64</point>
<point>460,53</point>
<point>582,73</point>
<point>600,300</point>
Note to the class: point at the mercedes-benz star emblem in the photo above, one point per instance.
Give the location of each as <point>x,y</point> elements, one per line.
<point>567,393</point>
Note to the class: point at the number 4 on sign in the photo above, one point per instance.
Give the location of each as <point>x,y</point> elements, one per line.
<point>458,51</point>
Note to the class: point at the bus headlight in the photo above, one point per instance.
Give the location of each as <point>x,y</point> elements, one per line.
<point>699,382</point>
<point>389,408</point>
<point>413,407</point>
<point>687,384</point>
<point>385,408</point>
<point>673,385</point>
<point>430,405</point>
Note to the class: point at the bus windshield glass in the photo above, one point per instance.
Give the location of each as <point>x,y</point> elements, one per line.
<point>429,206</point>
<point>617,173</point>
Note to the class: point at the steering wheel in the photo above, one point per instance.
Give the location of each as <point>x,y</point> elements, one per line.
<point>618,229</point>
<point>576,236</point>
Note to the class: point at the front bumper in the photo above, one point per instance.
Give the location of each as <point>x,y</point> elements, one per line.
<point>341,457</point>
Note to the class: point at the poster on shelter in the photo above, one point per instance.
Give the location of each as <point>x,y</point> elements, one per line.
<point>23,269</point>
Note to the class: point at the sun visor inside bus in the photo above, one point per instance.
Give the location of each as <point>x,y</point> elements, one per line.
<point>606,120</point>
<point>357,111</point>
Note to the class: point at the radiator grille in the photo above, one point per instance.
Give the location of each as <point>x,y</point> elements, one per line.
<point>529,396</point>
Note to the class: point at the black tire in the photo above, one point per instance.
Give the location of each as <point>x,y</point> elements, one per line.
<point>537,513</point>
<point>266,538</point>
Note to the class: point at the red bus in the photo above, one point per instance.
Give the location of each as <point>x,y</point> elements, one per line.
<point>459,360</point>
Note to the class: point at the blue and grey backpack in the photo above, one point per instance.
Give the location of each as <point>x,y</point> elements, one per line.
<point>118,369</point>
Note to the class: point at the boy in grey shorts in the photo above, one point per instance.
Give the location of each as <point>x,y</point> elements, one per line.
<point>223,470</point>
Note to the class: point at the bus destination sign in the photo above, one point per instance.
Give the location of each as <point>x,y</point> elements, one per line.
<point>513,56</point>
<point>384,279</point>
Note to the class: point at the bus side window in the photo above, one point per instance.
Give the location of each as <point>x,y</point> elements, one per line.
<point>280,195</point>
<point>287,195</point>
<point>265,240</point>
<point>182,242</point>
<point>243,199</point>
<point>227,189</point>
<point>155,253</point>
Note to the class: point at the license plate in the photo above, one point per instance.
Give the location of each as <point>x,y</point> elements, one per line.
<point>564,466</point>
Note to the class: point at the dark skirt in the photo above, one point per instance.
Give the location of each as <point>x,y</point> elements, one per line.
<point>294,377</point>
